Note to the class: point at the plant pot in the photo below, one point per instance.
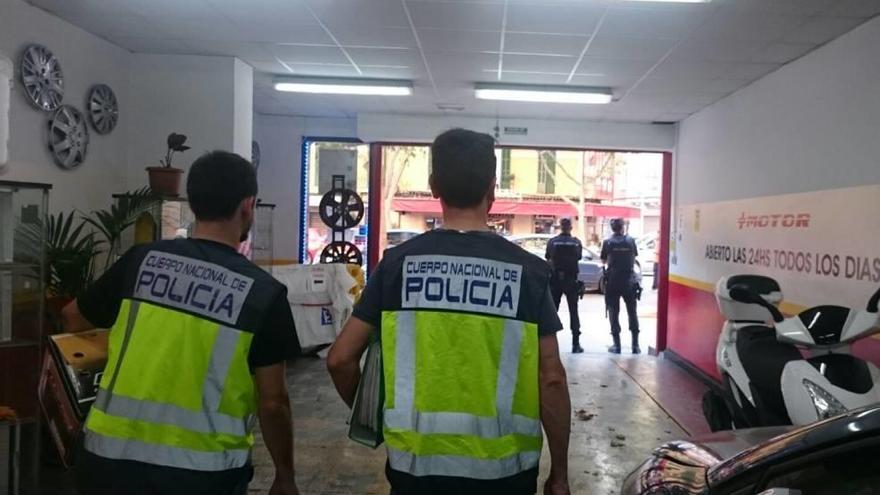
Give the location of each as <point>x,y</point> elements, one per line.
<point>165,181</point>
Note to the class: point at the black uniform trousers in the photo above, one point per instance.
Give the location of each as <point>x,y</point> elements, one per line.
<point>567,285</point>
<point>616,289</point>
<point>96,475</point>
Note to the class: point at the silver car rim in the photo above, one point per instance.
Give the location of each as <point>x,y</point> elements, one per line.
<point>42,78</point>
<point>68,137</point>
<point>103,109</point>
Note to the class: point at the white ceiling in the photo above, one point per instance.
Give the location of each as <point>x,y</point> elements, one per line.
<point>664,61</point>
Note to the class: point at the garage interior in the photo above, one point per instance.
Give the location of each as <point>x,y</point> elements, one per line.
<point>759,121</point>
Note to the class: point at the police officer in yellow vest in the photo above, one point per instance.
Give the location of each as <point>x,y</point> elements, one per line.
<point>198,345</point>
<point>468,333</point>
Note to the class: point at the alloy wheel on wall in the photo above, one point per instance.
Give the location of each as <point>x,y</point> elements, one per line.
<point>68,137</point>
<point>42,78</point>
<point>102,108</point>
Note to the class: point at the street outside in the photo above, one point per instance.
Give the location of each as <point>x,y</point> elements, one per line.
<point>596,329</point>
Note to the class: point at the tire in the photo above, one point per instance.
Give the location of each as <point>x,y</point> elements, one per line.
<point>716,412</point>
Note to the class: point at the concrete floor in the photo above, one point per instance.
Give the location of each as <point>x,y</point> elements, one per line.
<point>596,329</point>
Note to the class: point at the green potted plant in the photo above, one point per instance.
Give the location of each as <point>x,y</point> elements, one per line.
<point>73,243</point>
<point>111,224</point>
<point>165,180</point>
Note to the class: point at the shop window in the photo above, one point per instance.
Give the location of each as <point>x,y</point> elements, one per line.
<point>506,177</point>
<point>324,159</point>
<point>547,172</point>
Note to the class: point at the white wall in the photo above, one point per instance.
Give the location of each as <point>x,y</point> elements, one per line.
<point>243,108</point>
<point>210,99</point>
<point>280,139</point>
<point>86,60</point>
<point>812,127</point>
<point>814,124</point>
<point>561,133</point>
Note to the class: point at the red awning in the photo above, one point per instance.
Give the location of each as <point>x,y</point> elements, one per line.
<point>522,207</point>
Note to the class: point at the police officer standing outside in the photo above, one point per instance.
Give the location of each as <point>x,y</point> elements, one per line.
<point>564,252</point>
<point>619,255</point>
<point>468,331</point>
<point>198,343</point>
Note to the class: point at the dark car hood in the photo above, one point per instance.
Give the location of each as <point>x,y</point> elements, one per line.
<point>680,467</point>
<point>726,444</point>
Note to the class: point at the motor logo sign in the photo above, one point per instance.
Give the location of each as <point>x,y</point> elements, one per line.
<point>774,220</point>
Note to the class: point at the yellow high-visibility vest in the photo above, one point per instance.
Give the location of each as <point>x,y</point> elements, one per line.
<point>178,389</point>
<point>196,416</point>
<point>462,394</point>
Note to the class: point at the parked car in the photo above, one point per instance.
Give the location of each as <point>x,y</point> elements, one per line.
<point>647,245</point>
<point>396,237</point>
<point>590,268</point>
<point>835,456</point>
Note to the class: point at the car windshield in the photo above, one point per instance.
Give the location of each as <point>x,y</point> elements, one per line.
<point>395,238</point>
<point>533,243</point>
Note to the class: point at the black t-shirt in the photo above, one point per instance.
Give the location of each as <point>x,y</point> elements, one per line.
<point>270,321</point>
<point>564,252</point>
<point>383,289</point>
<point>619,252</point>
<point>535,304</point>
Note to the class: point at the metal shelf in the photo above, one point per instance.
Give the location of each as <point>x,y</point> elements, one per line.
<point>8,266</point>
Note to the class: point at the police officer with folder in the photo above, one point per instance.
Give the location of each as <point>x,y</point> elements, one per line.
<point>472,373</point>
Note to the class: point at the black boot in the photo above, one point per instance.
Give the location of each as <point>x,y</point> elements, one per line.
<point>615,349</point>
<point>576,344</point>
<point>635,343</point>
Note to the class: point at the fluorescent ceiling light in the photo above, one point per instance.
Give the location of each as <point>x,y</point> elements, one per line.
<point>543,94</point>
<point>368,87</point>
<point>671,1</point>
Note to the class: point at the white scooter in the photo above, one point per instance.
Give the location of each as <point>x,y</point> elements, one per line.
<point>797,372</point>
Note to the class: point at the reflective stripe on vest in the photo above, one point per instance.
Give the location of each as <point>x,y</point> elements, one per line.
<point>460,466</point>
<point>459,443</point>
<point>190,435</point>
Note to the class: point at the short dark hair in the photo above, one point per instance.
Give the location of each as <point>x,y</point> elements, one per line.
<point>462,167</point>
<point>617,225</point>
<point>218,182</point>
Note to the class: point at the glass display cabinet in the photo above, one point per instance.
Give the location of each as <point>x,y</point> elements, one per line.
<point>23,209</point>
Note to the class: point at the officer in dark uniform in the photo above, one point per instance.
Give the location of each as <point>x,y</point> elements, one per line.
<point>564,252</point>
<point>619,255</point>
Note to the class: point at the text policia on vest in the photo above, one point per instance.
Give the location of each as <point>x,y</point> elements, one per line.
<point>196,286</point>
<point>448,282</point>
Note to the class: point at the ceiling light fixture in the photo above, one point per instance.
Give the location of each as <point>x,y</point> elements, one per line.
<point>671,1</point>
<point>544,94</point>
<point>342,86</point>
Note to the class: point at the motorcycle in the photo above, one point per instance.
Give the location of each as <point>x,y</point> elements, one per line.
<point>796,371</point>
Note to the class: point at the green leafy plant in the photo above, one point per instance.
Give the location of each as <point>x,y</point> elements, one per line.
<point>175,144</point>
<point>110,224</point>
<point>70,255</point>
<point>70,252</point>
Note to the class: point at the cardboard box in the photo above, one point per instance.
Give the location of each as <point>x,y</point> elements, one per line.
<point>72,369</point>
